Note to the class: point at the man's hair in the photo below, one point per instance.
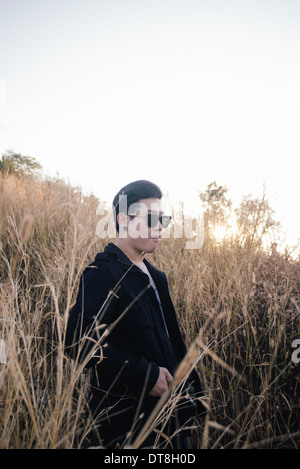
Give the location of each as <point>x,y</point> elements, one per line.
<point>133,193</point>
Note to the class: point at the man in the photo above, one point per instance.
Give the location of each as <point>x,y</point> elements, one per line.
<point>124,324</point>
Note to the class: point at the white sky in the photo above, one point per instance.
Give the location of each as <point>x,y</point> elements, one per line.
<point>180,92</point>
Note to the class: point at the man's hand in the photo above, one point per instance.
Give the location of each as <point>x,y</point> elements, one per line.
<point>161,385</point>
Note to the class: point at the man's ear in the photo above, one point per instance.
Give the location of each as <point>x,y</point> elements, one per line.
<point>123,220</point>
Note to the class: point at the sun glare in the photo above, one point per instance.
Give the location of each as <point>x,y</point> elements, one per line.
<point>221,231</point>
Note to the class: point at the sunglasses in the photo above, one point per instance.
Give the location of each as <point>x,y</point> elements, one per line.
<point>153,219</point>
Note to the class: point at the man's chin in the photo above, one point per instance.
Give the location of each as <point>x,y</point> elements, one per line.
<point>156,242</point>
<point>152,245</point>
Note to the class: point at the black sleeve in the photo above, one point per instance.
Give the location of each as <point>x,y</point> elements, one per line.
<point>95,307</point>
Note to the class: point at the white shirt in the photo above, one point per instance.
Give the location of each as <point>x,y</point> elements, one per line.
<point>143,267</point>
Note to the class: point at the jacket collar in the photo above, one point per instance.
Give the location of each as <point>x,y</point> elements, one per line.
<point>112,249</point>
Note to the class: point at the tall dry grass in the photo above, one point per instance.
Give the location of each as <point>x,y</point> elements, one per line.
<point>238,308</point>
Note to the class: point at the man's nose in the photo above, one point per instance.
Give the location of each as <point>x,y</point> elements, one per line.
<point>159,226</point>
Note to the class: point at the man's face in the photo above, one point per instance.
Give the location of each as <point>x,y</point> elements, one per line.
<point>141,236</point>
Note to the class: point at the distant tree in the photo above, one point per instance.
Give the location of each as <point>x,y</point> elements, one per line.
<point>255,219</point>
<point>217,206</point>
<point>16,163</point>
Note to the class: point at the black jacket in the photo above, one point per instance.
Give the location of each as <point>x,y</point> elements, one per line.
<point>113,291</point>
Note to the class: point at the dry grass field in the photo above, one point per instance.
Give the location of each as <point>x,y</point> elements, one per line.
<point>238,306</point>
